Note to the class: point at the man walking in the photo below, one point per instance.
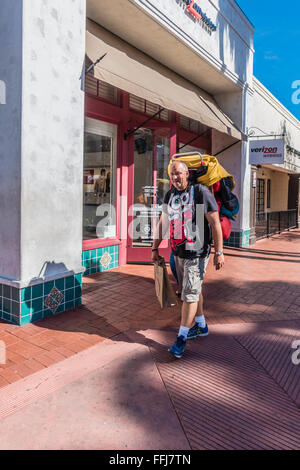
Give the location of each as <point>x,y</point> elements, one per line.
<point>191,212</point>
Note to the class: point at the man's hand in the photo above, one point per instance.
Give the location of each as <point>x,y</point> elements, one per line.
<point>155,256</point>
<point>219,261</point>
<point>214,221</point>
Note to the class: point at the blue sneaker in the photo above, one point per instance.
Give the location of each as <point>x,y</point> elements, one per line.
<point>178,347</point>
<point>196,331</point>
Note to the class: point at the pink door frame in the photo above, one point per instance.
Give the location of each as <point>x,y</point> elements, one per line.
<point>143,254</point>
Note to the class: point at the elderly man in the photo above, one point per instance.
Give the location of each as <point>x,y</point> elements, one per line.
<point>191,212</point>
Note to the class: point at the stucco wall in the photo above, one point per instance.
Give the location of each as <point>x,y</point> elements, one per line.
<point>235,159</point>
<point>279,189</point>
<point>10,136</point>
<point>229,46</point>
<point>52,136</point>
<point>218,61</point>
<point>41,137</point>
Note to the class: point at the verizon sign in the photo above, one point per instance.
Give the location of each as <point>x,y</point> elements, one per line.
<point>265,152</point>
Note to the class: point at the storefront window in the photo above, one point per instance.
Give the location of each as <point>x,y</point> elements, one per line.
<point>99,180</point>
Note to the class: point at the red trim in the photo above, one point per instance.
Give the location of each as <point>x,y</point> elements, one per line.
<point>98,109</point>
<point>102,111</point>
<point>154,121</point>
<point>144,255</point>
<point>96,243</point>
<point>124,180</point>
<point>173,139</point>
<point>118,179</point>
<point>104,100</point>
<point>130,192</point>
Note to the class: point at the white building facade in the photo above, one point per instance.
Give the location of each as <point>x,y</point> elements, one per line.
<point>275,198</point>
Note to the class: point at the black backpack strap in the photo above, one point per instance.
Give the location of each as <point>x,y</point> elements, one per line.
<point>198,194</point>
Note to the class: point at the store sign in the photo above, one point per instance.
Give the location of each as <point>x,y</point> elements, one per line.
<point>194,9</point>
<point>266,152</point>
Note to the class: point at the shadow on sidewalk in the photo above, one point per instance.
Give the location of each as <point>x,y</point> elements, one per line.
<point>223,391</point>
<point>224,395</point>
<point>113,305</point>
<point>284,254</point>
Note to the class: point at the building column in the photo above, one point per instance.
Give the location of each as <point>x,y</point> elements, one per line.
<point>235,159</point>
<point>41,153</point>
<point>253,183</point>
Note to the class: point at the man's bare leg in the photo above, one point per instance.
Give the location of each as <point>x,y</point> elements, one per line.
<point>188,313</point>
<point>190,310</point>
<point>200,306</point>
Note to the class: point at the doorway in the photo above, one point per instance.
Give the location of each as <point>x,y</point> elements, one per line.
<point>148,184</point>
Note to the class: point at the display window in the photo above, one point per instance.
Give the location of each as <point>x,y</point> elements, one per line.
<point>99,180</point>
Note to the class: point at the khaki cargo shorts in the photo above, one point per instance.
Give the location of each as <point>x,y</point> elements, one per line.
<point>190,273</point>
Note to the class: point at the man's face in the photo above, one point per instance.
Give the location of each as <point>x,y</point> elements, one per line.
<point>179,177</point>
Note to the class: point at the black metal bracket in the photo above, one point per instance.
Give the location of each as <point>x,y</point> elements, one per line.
<point>90,67</point>
<point>226,148</point>
<point>128,133</point>
<point>193,139</point>
<point>266,135</point>
<point>94,64</point>
<point>263,133</point>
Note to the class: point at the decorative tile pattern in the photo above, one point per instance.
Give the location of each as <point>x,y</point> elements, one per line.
<point>238,239</point>
<point>21,306</point>
<point>100,259</point>
<point>54,299</point>
<point>105,260</point>
<point>246,238</point>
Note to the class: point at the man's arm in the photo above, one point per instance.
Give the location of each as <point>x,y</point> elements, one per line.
<point>160,232</point>
<point>214,221</point>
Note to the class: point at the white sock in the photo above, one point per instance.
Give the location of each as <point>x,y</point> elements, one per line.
<point>183,331</point>
<point>201,321</point>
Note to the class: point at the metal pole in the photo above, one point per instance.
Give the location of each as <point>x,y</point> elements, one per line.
<point>226,148</point>
<point>193,139</point>
<point>94,64</point>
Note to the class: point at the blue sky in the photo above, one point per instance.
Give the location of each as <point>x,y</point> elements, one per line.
<point>277,46</point>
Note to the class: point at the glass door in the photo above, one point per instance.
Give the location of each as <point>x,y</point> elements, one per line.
<point>149,183</point>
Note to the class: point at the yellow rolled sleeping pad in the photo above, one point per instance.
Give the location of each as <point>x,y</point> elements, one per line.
<point>214,173</point>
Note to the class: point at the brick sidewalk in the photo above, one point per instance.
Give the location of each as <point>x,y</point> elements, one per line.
<point>258,284</point>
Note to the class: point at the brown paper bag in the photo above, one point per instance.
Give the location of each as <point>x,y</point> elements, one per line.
<point>164,291</point>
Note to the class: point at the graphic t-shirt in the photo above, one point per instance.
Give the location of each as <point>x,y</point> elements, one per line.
<point>190,233</point>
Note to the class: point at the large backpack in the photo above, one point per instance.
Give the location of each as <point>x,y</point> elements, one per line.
<point>206,169</point>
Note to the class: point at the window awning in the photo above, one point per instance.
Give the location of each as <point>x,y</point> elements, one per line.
<point>131,70</point>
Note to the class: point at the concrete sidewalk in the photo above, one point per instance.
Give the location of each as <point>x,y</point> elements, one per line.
<point>235,389</point>
<point>100,376</point>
